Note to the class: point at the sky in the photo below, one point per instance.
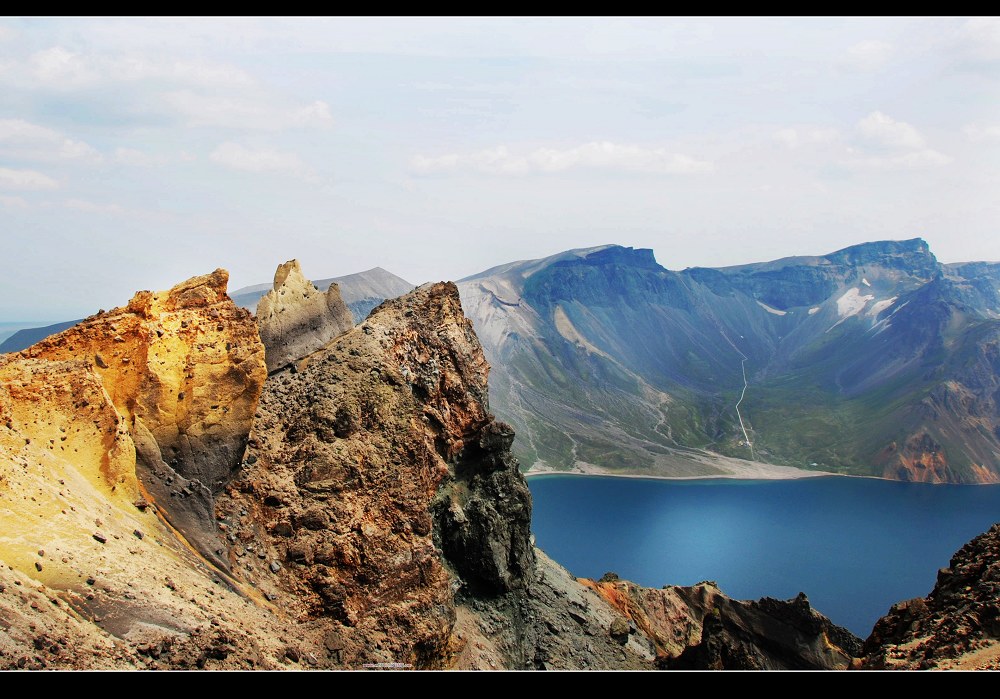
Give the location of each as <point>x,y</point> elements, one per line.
<point>135,153</point>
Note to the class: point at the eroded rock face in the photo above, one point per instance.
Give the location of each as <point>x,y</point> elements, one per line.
<point>296,319</point>
<point>184,369</point>
<point>700,628</point>
<point>66,458</point>
<point>349,454</point>
<point>957,626</point>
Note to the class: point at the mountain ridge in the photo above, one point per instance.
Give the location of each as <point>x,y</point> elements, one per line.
<point>848,343</point>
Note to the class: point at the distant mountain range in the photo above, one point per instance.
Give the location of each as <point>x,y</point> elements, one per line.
<point>873,360</point>
<point>361,292</point>
<point>26,337</point>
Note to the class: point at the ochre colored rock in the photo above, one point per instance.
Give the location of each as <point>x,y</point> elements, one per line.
<point>185,363</point>
<point>184,368</point>
<point>66,458</point>
<point>296,319</point>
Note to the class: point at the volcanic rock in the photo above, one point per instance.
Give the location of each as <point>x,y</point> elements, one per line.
<point>296,319</point>
<point>957,626</point>
<point>182,371</point>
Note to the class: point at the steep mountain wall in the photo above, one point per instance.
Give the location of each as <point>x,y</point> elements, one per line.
<point>872,360</point>
<point>184,369</point>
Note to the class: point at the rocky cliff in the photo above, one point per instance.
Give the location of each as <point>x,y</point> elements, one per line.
<point>369,462</point>
<point>957,626</point>
<point>700,628</point>
<point>113,436</point>
<point>184,370</point>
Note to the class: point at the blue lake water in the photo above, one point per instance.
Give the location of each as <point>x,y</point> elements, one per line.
<point>855,546</point>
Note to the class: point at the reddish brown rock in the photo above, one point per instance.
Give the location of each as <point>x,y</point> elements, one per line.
<point>700,628</point>
<point>957,626</point>
<point>362,466</point>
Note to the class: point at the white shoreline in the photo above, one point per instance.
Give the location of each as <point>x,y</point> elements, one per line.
<point>741,477</point>
<point>705,477</point>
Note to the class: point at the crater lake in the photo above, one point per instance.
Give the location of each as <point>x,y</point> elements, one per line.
<point>855,546</point>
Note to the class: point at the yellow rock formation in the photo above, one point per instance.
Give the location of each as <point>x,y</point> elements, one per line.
<point>176,373</point>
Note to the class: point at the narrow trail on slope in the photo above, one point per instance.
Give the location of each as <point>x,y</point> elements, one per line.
<point>743,368</point>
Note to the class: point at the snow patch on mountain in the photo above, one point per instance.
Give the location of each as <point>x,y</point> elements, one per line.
<point>852,302</point>
<point>880,306</point>
<point>775,311</point>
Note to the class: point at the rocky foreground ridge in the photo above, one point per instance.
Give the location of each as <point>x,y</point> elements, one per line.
<point>956,626</point>
<point>167,504</point>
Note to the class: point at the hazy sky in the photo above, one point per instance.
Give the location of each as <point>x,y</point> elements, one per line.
<point>135,153</point>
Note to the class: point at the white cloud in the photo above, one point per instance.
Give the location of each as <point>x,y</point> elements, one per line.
<point>237,112</point>
<point>926,157</point>
<point>60,67</point>
<point>989,134</point>
<point>92,207</point>
<point>867,56</point>
<point>6,33</point>
<point>261,161</point>
<point>25,180</point>
<point>13,202</point>
<point>138,158</point>
<point>594,155</point>
<point>979,39</point>
<point>136,68</point>
<point>881,130</point>
<point>26,140</point>
<point>887,144</point>
<point>20,130</point>
<point>794,138</point>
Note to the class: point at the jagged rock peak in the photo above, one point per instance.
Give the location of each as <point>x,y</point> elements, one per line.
<point>295,318</point>
<point>700,628</point>
<point>385,483</point>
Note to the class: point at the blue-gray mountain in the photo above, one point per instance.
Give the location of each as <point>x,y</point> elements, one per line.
<point>26,337</point>
<point>873,360</point>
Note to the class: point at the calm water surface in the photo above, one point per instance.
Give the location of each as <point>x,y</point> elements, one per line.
<point>855,546</point>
